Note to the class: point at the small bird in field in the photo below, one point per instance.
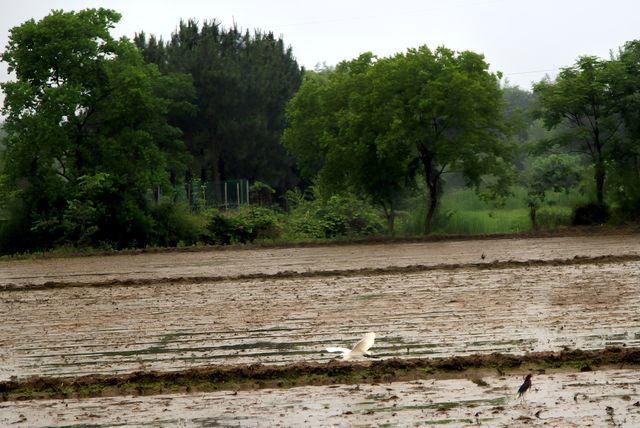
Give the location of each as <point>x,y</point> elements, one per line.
<point>361,349</point>
<point>524,387</point>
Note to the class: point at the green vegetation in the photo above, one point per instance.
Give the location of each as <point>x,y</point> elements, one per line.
<point>100,133</point>
<point>463,212</point>
<point>87,138</point>
<point>258,376</point>
<point>242,83</point>
<point>373,125</point>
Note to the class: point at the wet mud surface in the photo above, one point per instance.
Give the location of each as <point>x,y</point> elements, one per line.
<point>72,331</point>
<point>599,399</point>
<point>234,262</point>
<point>175,311</point>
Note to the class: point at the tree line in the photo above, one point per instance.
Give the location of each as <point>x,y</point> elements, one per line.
<point>241,82</point>
<point>381,126</point>
<point>96,127</point>
<point>99,131</point>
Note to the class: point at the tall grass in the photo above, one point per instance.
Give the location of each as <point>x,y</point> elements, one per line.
<point>462,212</point>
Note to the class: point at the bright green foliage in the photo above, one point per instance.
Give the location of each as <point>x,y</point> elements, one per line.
<point>372,125</point>
<point>338,121</point>
<point>261,194</point>
<point>555,172</point>
<point>87,137</point>
<point>84,210</point>
<point>463,212</point>
<point>340,215</point>
<point>581,100</point>
<point>247,224</point>
<point>625,175</point>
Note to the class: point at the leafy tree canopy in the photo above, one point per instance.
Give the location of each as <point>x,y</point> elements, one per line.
<point>581,105</point>
<point>243,82</point>
<point>555,172</point>
<point>84,113</point>
<point>376,123</point>
<point>624,179</point>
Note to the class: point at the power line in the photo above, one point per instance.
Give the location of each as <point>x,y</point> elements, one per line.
<point>406,12</point>
<point>548,70</point>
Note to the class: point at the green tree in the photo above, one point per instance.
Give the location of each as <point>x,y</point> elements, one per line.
<point>626,158</point>
<point>580,104</point>
<point>337,121</point>
<point>518,108</point>
<point>83,114</point>
<point>381,122</point>
<point>626,86</point>
<point>307,134</point>
<point>555,172</point>
<point>243,82</point>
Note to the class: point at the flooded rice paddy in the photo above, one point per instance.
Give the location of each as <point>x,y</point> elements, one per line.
<point>172,311</point>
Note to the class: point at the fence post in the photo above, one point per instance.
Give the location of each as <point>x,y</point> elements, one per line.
<point>225,195</point>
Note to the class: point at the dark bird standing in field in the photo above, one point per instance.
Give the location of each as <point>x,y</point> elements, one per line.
<point>524,387</point>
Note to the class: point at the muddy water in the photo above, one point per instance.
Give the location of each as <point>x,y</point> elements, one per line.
<point>68,331</point>
<point>85,330</point>
<point>271,261</point>
<point>602,398</point>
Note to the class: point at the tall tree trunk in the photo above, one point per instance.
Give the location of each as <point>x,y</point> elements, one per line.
<point>390,215</point>
<point>215,160</point>
<point>533,215</point>
<point>391,220</point>
<point>433,206</point>
<point>599,177</point>
<point>599,165</point>
<point>432,178</point>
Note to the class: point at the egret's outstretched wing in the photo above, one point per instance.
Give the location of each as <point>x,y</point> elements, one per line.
<point>365,343</point>
<point>338,349</point>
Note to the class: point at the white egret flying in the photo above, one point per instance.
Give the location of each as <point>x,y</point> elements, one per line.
<point>361,349</point>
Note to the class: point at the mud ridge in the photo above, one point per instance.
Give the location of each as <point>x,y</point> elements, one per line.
<point>257,376</point>
<point>390,270</point>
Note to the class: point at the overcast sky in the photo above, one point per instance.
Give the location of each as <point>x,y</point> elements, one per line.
<point>525,39</point>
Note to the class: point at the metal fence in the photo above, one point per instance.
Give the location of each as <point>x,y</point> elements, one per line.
<point>218,194</point>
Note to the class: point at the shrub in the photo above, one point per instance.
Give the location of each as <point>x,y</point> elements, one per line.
<point>341,215</point>
<point>261,193</point>
<point>243,225</point>
<point>224,229</point>
<point>261,222</point>
<point>176,225</point>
